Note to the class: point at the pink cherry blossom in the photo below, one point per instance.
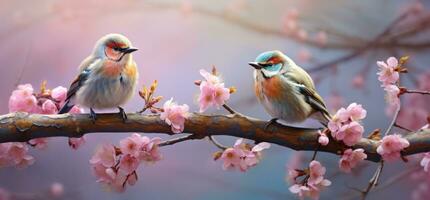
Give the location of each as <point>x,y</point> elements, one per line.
<point>254,156</point>
<point>391,146</point>
<point>322,138</point>
<point>315,183</point>
<point>241,156</point>
<point>232,157</point>
<point>316,173</point>
<point>292,175</point>
<point>75,143</point>
<point>387,74</point>
<point>75,110</point>
<point>128,164</point>
<point>260,147</point>
<point>356,111</point>
<point>105,155</point>
<point>210,78</point>
<point>425,161</point>
<point>350,133</point>
<point>49,107</point>
<point>351,158</point>
<point>56,190</point>
<point>392,95</point>
<point>175,115</point>
<point>59,93</point>
<point>132,145</point>
<point>321,38</point>
<point>39,143</point>
<point>150,151</point>
<point>212,91</point>
<point>15,154</point>
<point>103,174</point>
<point>212,95</point>
<point>23,100</point>
<point>300,190</point>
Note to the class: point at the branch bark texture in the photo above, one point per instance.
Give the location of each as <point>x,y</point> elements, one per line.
<point>21,127</point>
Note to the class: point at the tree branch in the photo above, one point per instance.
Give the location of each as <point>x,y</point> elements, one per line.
<point>21,127</point>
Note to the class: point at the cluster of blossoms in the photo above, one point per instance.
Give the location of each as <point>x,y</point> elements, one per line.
<point>24,99</point>
<point>212,90</point>
<point>15,154</point>
<point>350,159</point>
<point>345,125</point>
<point>312,183</point>
<point>115,167</point>
<point>391,146</point>
<point>388,75</point>
<point>242,156</point>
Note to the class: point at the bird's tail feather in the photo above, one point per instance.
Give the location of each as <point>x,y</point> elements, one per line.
<point>66,107</point>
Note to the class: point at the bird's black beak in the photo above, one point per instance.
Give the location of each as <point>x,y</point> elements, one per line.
<point>256,65</point>
<point>129,50</point>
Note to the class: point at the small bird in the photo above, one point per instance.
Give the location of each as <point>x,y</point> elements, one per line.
<point>107,78</point>
<point>286,91</point>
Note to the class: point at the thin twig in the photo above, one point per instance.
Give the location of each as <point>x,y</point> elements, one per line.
<point>402,127</point>
<point>418,92</point>
<point>229,109</point>
<point>363,49</point>
<point>393,121</point>
<point>217,144</point>
<point>373,182</point>
<point>389,182</point>
<point>179,139</point>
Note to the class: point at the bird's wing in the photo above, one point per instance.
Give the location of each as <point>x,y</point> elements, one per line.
<point>307,88</point>
<point>77,83</point>
<point>85,69</point>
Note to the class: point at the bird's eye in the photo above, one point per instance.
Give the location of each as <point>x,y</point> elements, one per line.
<point>265,64</point>
<point>116,48</point>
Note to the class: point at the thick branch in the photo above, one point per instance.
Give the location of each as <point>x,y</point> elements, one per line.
<point>20,127</point>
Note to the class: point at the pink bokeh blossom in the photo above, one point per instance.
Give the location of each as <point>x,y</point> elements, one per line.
<point>15,154</point>
<point>425,161</point>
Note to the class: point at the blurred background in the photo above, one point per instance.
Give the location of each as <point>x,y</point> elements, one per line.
<point>337,41</point>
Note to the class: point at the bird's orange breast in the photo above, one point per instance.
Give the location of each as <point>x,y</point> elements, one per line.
<point>111,68</point>
<point>272,87</point>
